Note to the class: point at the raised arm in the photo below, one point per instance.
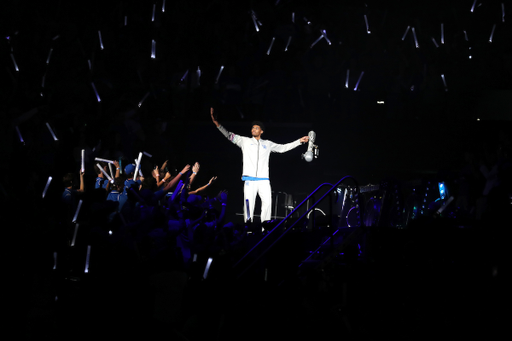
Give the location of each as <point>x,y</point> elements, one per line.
<point>282,148</point>
<point>236,139</point>
<point>204,187</point>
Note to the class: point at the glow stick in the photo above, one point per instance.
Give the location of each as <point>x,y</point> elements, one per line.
<point>253,16</point>
<point>19,135</point>
<point>49,55</point>
<point>194,258</point>
<point>153,16</point>
<point>96,92</point>
<point>103,160</point>
<point>415,39</point>
<point>366,21</point>
<point>110,169</point>
<point>56,37</point>
<point>137,167</point>
<point>142,100</point>
<point>105,173</point>
<point>210,260</point>
<point>89,62</point>
<point>435,43</point>
<point>77,211</point>
<point>153,49</point>
<point>316,41</point>
<point>442,33</point>
<point>357,84</point>
<point>407,30</point>
<point>247,209</point>
<point>324,34</point>
<point>101,41</point>
<point>465,35</point>
<point>198,73</point>
<point>288,43</point>
<point>74,235</point>
<point>502,12</point>
<point>86,270</point>
<point>120,167</point>
<point>163,7</point>
<point>492,33</point>
<point>270,47</point>
<point>444,82</point>
<point>14,61</point>
<point>473,7</point>
<point>83,160</point>
<point>470,52</point>
<point>47,185</point>
<point>55,261</point>
<point>184,76</point>
<point>306,20</point>
<point>51,131</point>
<point>147,154</point>
<point>293,17</point>
<point>346,79</point>
<point>218,76</point>
<point>442,208</point>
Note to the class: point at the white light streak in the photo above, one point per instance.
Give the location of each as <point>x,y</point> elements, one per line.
<point>143,99</point>
<point>255,21</point>
<point>198,74</point>
<point>194,258</point>
<point>147,154</point>
<point>347,78</point>
<point>74,235</point>
<point>247,209</point>
<point>49,55</point>
<point>442,33</point>
<point>184,76</point>
<point>47,185</point>
<point>55,261</point>
<point>19,135</point>
<point>111,172</point>
<point>218,75</point>
<point>270,47</point>
<point>444,82</point>
<point>56,37</point>
<point>90,65</point>
<point>466,35</point>
<point>83,161</point>
<point>367,27</point>
<point>293,17</point>
<point>51,132</point>
<point>105,173</point>
<point>153,49</point>
<point>77,211</point>
<point>415,39</point>
<point>163,7</point>
<point>492,33</point>
<point>153,16</point>
<point>288,43</point>
<point>435,42</point>
<point>324,34</point>
<point>86,270</point>
<point>473,7</point>
<point>125,20</point>
<point>96,92</point>
<point>406,31</point>
<point>101,41</point>
<point>210,260</point>
<point>14,62</point>
<point>357,84</point>
<point>137,167</point>
<point>103,160</point>
<point>316,41</point>
<point>502,12</point>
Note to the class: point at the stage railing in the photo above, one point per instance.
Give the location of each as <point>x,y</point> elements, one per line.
<point>280,226</point>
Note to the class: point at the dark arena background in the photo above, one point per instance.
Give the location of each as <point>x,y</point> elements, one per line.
<point>396,229</point>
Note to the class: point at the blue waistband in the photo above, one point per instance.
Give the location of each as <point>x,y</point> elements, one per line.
<point>251,178</point>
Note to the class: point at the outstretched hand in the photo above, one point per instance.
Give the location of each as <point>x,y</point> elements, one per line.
<point>217,124</point>
<point>304,139</point>
<point>222,197</point>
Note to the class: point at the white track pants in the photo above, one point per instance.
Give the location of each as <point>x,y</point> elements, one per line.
<point>261,188</point>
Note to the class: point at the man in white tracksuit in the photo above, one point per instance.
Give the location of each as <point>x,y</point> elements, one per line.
<point>255,174</point>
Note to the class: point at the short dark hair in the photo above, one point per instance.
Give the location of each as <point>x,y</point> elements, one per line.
<point>258,123</point>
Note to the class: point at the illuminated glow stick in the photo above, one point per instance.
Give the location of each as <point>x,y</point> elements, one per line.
<point>47,185</point>
<point>51,132</point>
<point>120,167</point>
<point>103,160</point>
<point>184,76</point>
<point>137,167</point>
<point>105,173</point>
<point>210,260</point>
<point>19,135</point>
<point>442,33</point>
<point>77,211</point>
<point>346,79</point>
<point>316,41</point>
<point>89,62</point>
<point>470,52</point>
<point>415,39</point>
<point>198,73</point>
<point>153,16</point>
<point>366,21</point>
<point>492,33</point>
<point>49,55</point>
<point>96,92</point>
<point>254,20</point>
<point>56,37</point>
<point>444,82</point>
<point>406,31</point>
<point>465,35</point>
<point>502,12</point>
<point>83,161</point>
<point>163,7</point>
<point>442,208</point>
<point>306,20</point>
<point>218,76</point>
<point>143,99</point>
<point>247,209</point>
<point>288,43</point>
<point>270,47</point>
<point>473,7</point>
<point>101,41</point>
<point>110,169</point>
<point>14,61</point>
<point>324,34</point>
<point>147,154</point>
<point>293,17</point>
<point>55,261</point>
<point>194,259</point>
<point>74,235</point>
<point>125,20</point>
<point>86,270</point>
<point>435,42</point>
<point>357,84</point>
<point>153,49</point>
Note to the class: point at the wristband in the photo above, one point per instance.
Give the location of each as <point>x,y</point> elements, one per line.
<point>223,204</point>
<point>181,173</point>
<point>194,173</point>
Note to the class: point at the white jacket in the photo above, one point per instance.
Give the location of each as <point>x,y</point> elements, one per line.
<point>256,153</point>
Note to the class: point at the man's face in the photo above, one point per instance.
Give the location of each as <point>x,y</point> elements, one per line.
<point>256,131</point>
